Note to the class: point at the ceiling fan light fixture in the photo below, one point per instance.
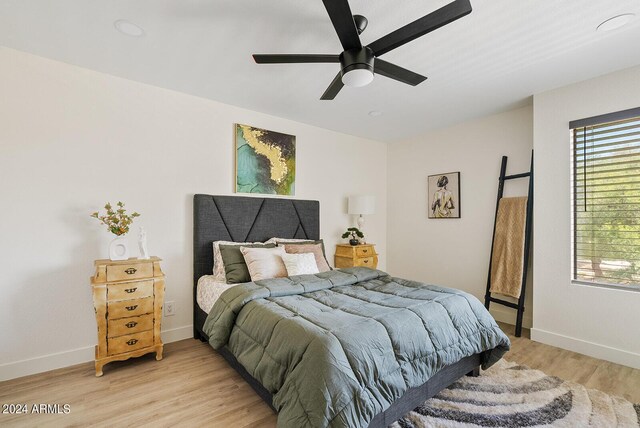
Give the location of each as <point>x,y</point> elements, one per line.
<point>357,75</point>
<point>357,67</point>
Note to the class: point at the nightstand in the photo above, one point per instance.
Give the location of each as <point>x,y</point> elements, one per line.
<point>356,255</point>
<point>127,296</point>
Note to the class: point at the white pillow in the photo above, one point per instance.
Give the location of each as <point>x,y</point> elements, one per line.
<point>264,263</point>
<point>300,264</point>
<point>218,264</point>
<point>286,240</point>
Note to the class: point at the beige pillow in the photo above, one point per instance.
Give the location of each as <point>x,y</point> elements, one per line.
<point>316,249</point>
<point>264,263</point>
<point>300,264</point>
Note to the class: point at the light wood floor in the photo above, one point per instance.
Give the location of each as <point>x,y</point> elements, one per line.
<point>193,386</point>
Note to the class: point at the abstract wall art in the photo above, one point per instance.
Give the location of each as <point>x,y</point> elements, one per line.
<point>265,161</point>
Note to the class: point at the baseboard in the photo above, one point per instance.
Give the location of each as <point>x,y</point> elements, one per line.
<point>591,349</point>
<point>59,360</point>
<point>178,333</point>
<point>46,363</point>
<point>508,316</point>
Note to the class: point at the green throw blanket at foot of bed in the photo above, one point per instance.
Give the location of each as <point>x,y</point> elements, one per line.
<point>339,347</point>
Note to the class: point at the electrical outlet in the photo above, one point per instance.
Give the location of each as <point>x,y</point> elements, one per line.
<point>169,308</point>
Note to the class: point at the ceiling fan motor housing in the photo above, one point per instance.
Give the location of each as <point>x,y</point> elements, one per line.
<point>357,59</point>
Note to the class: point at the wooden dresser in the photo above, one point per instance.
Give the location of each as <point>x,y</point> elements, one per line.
<point>127,296</point>
<point>356,255</point>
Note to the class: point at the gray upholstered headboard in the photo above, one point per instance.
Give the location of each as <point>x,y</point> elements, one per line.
<point>244,219</point>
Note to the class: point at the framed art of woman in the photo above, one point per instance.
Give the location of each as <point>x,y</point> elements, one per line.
<point>444,195</point>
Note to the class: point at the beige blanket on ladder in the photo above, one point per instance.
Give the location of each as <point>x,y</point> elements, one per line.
<point>507,260</point>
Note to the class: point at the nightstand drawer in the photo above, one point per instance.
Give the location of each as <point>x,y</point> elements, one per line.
<point>356,255</point>
<point>364,261</point>
<point>123,272</point>
<point>364,251</point>
<point>344,251</point>
<point>130,342</point>
<point>129,290</point>
<point>129,308</point>
<point>130,325</point>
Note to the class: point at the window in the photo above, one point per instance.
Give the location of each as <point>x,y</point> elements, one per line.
<point>606,199</point>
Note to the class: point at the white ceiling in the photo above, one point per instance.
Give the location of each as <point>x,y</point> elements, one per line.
<point>489,61</point>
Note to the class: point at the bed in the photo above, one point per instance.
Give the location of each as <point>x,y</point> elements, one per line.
<point>248,219</point>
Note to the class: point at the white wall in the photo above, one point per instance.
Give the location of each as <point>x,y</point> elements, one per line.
<point>596,321</point>
<point>72,139</point>
<point>455,252</point>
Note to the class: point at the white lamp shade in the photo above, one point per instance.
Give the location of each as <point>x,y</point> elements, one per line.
<point>363,204</point>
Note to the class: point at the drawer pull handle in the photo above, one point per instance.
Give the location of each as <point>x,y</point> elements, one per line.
<point>366,261</point>
<point>364,251</point>
<point>130,271</point>
<point>132,342</point>
<point>131,308</point>
<point>131,324</point>
<point>130,290</point>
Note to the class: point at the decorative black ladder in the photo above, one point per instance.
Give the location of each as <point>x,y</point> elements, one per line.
<point>519,307</point>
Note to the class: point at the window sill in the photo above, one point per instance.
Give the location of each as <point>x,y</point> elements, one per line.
<point>632,288</point>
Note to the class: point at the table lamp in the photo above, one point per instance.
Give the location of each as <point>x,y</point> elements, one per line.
<point>361,205</point>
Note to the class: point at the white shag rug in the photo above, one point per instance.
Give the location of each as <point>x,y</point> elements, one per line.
<point>511,395</point>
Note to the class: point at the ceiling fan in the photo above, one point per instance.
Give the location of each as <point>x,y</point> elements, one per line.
<point>359,63</point>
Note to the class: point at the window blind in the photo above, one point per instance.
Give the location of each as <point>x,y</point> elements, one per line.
<point>606,199</point>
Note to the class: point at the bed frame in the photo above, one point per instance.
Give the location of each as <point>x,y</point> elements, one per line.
<point>248,219</point>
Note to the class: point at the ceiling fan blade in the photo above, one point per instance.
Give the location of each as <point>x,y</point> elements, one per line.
<point>333,88</point>
<point>294,58</point>
<point>395,72</point>
<point>342,20</point>
<point>439,18</point>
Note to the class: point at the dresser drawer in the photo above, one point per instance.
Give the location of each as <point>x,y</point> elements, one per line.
<point>129,308</point>
<point>129,290</point>
<point>126,271</point>
<point>364,251</point>
<point>122,326</point>
<point>364,261</point>
<point>130,342</point>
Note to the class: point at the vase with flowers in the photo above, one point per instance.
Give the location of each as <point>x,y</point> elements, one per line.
<point>117,221</point>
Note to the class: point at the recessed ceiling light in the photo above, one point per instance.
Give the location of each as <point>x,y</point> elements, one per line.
<point>615,22</point>
<point>375,113</point>
<point>128,28</point>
